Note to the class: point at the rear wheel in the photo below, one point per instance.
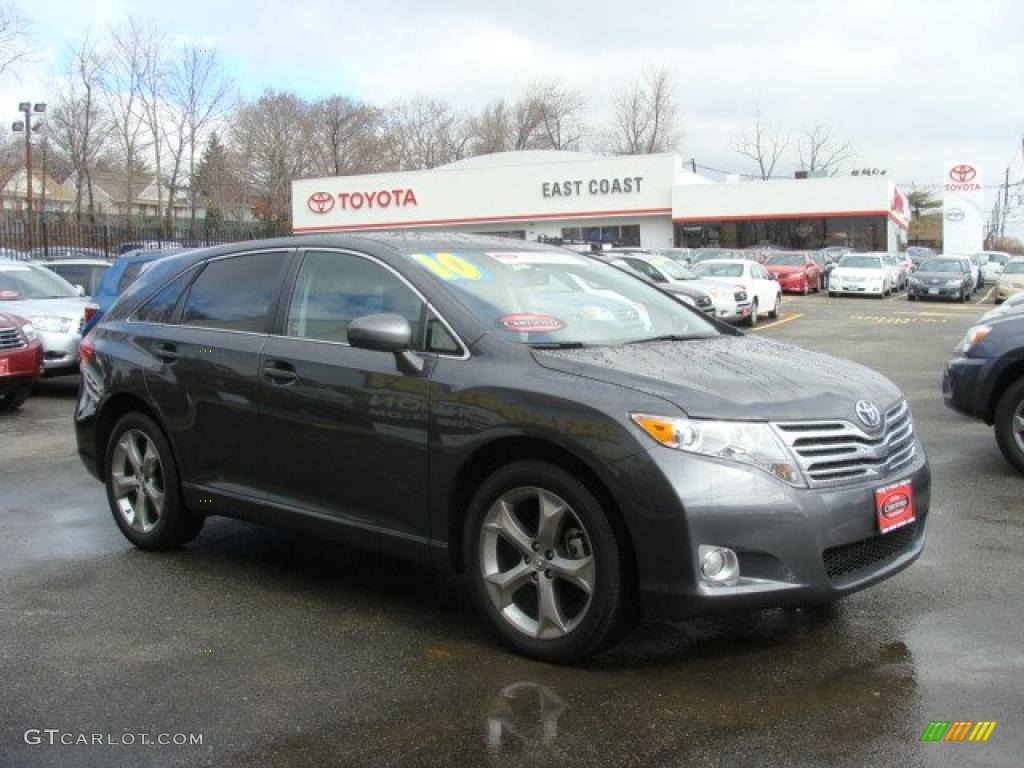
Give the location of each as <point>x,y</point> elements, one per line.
<point>546,568</point>
<point>1009,424</point>
<point>143,489</point>
<point>15,397</point>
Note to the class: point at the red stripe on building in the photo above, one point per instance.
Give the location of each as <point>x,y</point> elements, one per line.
<point>776,216</point>
<point>489,219</point>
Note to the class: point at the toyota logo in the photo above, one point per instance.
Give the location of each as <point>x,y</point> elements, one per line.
<point>955,214</point>
<point>868,413</point>
<point>320,202</point>
<point>962,173</point>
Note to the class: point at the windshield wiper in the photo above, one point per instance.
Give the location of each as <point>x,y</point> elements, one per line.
<point>559,345</point>
<point>671,337</point>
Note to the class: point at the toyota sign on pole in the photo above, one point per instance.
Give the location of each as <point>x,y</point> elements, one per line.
<point>963,225</point>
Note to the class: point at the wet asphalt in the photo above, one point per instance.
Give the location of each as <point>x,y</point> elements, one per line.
<point>282,651</point>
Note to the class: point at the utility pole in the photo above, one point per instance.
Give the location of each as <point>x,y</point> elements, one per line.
<point>1006,203</point>
<point>27,108</point>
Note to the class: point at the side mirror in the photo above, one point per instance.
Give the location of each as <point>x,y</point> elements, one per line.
<point>386,332</point>
<point>80,289</point>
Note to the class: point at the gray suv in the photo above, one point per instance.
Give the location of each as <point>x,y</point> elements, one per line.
<point>584,447</point>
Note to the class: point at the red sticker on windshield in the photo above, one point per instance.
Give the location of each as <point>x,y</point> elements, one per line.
<point>528,323</point>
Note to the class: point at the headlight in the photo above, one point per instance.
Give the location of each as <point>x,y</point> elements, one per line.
<point>744,442</point>
<point>51,324</point>
<point>975,335</point>
<point>952,283</point>
<point>30,332</point>
<point>915,281</point>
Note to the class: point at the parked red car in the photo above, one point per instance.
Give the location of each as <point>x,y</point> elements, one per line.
<point>796,271</point>
<point>21,360</point>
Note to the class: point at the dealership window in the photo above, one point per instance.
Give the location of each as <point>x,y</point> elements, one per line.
<point>514,234</point>
<point>627,234</point>
<point>864,233</point>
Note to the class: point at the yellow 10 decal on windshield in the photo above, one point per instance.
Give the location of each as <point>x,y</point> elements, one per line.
<point>448,266</point>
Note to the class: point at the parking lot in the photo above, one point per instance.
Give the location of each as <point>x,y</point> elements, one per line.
<point>285,651</point>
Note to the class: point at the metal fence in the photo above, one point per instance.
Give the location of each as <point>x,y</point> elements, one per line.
<point>18,240</point>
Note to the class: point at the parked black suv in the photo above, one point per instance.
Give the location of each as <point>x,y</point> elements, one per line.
<point>986,381</point>
<point>581,444</point>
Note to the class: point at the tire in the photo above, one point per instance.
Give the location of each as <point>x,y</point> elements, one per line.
<point>806,288</point>
<point>582,624</point>
<point>964,298</point>
<point>831,294</point>
<point>751,320</point>
<point>1010,431</point>
<point>911,297</point>
<point>774,314</point>
<point>16,397</point>
<point>151,515</point>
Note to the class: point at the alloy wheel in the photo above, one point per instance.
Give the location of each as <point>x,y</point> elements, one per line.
<point>1017,427</point>
<point>537,563</point>
<point>137,476</point>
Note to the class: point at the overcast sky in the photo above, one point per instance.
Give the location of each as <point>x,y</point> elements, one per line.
<point>911,82</point>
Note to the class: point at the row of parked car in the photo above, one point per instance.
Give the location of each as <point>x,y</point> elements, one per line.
<point>48,306</point>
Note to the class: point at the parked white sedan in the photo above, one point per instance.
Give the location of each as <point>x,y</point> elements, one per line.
<point>863,273</point>
<point>750,277</point>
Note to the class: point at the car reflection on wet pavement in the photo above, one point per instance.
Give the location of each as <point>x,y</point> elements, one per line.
<point>285,651</point>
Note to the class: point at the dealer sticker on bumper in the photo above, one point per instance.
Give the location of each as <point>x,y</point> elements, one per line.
<point>894,506</point>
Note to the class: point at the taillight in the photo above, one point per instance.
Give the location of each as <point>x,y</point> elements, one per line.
<point>86,349</point>
<point>90,311</point>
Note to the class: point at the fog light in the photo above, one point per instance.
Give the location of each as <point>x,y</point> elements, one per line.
<point>719,565</point>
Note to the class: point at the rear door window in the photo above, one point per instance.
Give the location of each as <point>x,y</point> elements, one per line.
<point>236,293</point>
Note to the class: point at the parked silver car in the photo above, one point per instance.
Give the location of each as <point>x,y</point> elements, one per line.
<point>51,304</point>
<point>86,273</point>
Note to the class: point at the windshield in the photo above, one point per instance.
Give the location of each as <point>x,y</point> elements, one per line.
<point>995,258</point>
<point>552,298</point>
<point>851,261</point>
<point>942,265</point>
<point>21,282</point>
<point>785,260</point>
<point>1014,268</point>
<point>718,269</point>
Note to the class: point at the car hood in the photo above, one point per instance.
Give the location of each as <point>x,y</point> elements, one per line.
<point>776,269</point>
<point>861,271</point>
<point>733,377</point>
<point>939,276</point>
<point>72,307</point>
<point>689,288</point>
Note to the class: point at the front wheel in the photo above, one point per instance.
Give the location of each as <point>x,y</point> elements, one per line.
<point>143,489</point>
<point>546,568</point>
<point>15,397</point>
<point>752,317</point>
<point>778,303</point>
<point>1009,423</point>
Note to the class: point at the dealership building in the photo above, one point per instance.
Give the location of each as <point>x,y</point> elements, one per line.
<point>653,201</point>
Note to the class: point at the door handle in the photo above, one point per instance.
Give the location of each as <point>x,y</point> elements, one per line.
<point>280,373</point>
<point>166,352</point>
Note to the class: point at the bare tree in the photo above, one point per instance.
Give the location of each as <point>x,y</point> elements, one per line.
<point>152,86</point>
<point>425,133</point>
<point>12,161</point>
<point>820,149</point>
<point>272,138</point>
<point>13,37</point>
<point>561,111</point>
<point>764,142</point>
<point>122,88</point>
<point>345,136</point>
<point>74,123</point>
<point>504,126</point>
<point>646,116</point>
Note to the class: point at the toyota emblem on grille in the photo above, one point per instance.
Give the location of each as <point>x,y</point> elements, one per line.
<point>868,413</point>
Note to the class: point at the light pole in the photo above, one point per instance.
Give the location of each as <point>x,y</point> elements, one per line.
<point>27,108</point>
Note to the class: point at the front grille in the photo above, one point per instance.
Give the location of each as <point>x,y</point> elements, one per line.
<point>11,339</point>
<point>850,562</point>
<point>837,452</point>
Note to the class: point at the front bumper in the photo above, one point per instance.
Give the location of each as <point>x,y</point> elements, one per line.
<point>795,546</point>
<point>935,292</point>
<point>732,312</point>
<point>20,366</point>
<point>60,352</point>
<point>794,283</point>
<point>962,388</point>
<point>838,285</point>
